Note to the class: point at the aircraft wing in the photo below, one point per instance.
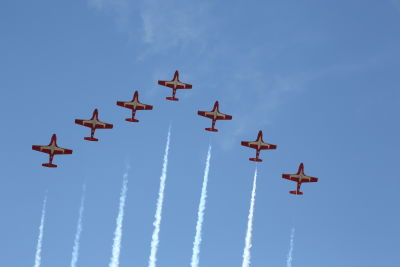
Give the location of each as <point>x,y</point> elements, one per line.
<point>249,144</point>
<point>210,115</point>
<point>43,149</point>
<point>206,114</point>
<point>255,145</point>
<point>267,146</point>
<point>124,104</point>
<point>57,150</point>
<point>139,106</point>
<point>302,179</point>
<point>86,123</point>
<point>291,177</point>
<point>165,83</point>
<point>184,86</point>
<point>180,85</point>
<point>222,116</point>
<point>309,179</point>
<point>62,151</point>
<point>104,125</point>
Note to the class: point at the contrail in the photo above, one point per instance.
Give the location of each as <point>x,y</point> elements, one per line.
<point>38,257</point>
<point>246,252</point>
<point>200,214</point>
<point>116,249</point>
<point>75,249</point>
<point>289,256</point>
<point>157,217</point>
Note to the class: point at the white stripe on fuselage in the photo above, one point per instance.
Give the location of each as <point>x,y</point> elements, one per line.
<point>301,177</point>
<point>52,148</point>
<point>134,104</point>
<point>215,114</point>
<point>175,82</point>
<point>259,144</point>
<point>94,122</point>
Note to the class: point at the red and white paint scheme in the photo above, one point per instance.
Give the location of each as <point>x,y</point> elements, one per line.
<point>134,105</point>
<point>258,145</point>
<point>52,149</point>
<point>94,124</point>
<point>214,115</point>
<point>175,84</point>
<point>299,178</point>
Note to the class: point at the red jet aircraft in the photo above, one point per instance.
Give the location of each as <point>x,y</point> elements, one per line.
<point>299,178</point>
<point>259,145</point>
<point>94,124</point>
<point>134,105</point>
<point>175,84</point>
<point>52,149</point>
<point>214,115</point>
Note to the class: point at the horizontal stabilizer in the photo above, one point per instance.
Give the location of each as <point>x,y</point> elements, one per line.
<point>131,120</point>
<point>49,165</point>
<point>255,159</point>
<point>172,98</point>
<point>296,192</point>
<point>91,139</point>
<point>211,129</point>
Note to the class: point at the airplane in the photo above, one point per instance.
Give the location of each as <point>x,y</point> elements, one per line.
<point>259,145</point>
<point>214,115</point>
<point>175,84</point>
<point>94,124</point>
<point>300,178</point>
<point>52,149</point>
<point>134,105</point>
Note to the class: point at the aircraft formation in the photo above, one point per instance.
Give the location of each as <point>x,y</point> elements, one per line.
<point>94,123</point>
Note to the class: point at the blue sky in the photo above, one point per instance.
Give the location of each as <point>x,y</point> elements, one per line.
<point>319,78</point>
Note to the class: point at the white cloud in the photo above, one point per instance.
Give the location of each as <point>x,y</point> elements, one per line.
<point>160,24</point>
<point>120,9</point>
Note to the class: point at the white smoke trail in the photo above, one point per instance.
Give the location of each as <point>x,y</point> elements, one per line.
<point>157,217</point>
<point>289,256</point>
<point>38,256</point>
<point>75,249</point>
<point>246,252</point>
<point>116,248</point>
<point>200,214</point>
